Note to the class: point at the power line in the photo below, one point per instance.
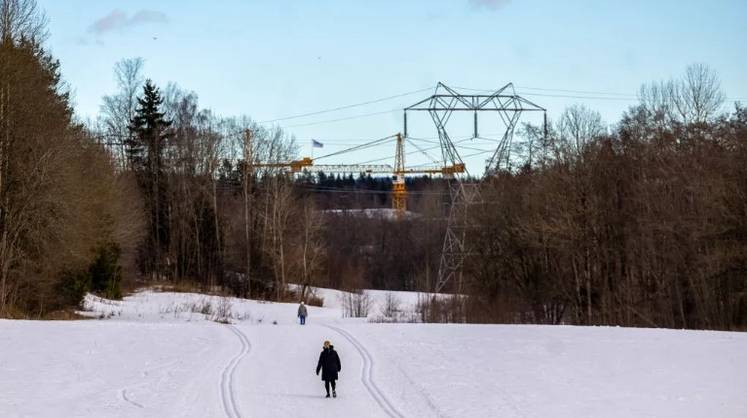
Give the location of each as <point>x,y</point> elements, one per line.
<point>350,106</point>
<point>554,95</point>
<point>565,96</point>
<point>359,147</point>
<point>432,140</point>
<point>414,152</point>
<point>325,141</point>
<point>595,95</point>
<point>480,152</point>
<point>576,94</point>
<point>578,91</point>
<point>365,115</point>
<point>585,94</point>
<point>628,95</point>
<point>424,152</point>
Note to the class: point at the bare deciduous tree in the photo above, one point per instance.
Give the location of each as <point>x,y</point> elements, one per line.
<point>694,98</point>
<point>312,246</point>
<point>699,96</point>
<point>118,109</point>
<point>578,126</point>
<point>22,19</point>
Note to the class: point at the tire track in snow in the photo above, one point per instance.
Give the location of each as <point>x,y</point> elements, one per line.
<point>367,374</point>
<point>226,382</point>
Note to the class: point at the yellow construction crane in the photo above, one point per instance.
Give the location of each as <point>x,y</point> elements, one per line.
<point>399,190</point>
<point>295,166</point>
<point>398,172</point>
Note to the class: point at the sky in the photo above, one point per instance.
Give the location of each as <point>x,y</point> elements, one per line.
<point>271,59</point>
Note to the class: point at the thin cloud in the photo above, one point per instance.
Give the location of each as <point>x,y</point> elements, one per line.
<point>119,20</point>
<point>488,4</point>
<point>148,16</point>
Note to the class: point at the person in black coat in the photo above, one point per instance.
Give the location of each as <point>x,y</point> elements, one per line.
<point>329,364</point>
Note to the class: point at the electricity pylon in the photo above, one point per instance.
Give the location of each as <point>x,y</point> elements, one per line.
<point>441,106</point>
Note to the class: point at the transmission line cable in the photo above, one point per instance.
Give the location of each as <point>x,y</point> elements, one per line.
<point>594,94</point>
<point>358,147</point>
<point>350,106</point>
<point>422,151</point>
<point>364,115</point>
<point>413,152</point>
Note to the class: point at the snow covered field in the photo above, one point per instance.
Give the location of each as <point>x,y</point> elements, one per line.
<point>160,355</point>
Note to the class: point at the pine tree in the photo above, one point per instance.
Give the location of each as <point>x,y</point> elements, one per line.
<point>145,152</point>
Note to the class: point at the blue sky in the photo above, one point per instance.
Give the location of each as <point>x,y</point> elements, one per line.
<point>275,58</point>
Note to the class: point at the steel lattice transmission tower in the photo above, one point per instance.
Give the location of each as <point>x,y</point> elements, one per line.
<point>441,105</point>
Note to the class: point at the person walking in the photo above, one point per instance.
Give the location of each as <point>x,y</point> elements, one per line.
<point>329,364</point>
<point>302,313</point>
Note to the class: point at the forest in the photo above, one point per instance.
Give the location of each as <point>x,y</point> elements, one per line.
<point>641,222</point>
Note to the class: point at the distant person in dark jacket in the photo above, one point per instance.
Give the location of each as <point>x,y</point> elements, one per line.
<point>329,364</point>
<point>302,313</point>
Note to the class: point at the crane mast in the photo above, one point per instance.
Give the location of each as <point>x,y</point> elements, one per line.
<point>399,192</point>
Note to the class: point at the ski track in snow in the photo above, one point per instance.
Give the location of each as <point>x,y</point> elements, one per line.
<point>226,384</point>
<point>367,374</point>
<point>123,394</point>
<point>419,388</point>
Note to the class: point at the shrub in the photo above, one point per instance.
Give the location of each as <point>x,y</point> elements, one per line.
<point>73,286</point>
<point>105,272</point>
<point>391,308</point>
<point>442,309</point>
<point>356,304</point>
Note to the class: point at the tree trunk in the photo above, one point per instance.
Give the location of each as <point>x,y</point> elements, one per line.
<point>5,250</point>
<point>248,158</point>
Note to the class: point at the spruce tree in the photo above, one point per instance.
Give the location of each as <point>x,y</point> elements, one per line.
<point>150,129</point>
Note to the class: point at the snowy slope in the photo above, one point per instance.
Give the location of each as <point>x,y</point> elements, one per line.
<point>106,368</point>
<point>158,354</point>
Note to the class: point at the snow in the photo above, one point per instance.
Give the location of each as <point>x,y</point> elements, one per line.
<point>111,368</point>
<point>372,213</point>
<point>161,354</point>
<point>541,371</point>
<point>406,302</point>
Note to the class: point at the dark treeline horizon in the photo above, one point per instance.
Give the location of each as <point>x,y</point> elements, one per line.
<point>639,223</point>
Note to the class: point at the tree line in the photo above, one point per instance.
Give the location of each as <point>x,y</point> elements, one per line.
<point>645,225</point>
<point>64,211</point>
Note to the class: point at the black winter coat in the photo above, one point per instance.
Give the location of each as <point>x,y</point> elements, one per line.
<point>329,364</point>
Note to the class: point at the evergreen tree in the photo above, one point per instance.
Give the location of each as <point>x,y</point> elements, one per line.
<point>105,273</point>
<point>150,129</point>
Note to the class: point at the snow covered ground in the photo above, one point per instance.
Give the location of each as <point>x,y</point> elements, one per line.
<point>375,213</point>
<point>163,355</point>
